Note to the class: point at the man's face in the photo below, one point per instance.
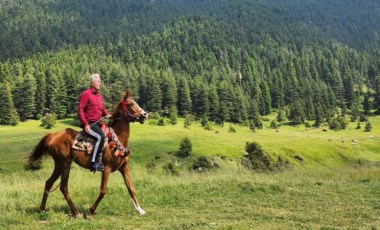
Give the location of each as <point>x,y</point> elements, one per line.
<point>96,84</point>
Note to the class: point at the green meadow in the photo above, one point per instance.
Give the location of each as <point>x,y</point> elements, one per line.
<point>334,182</point>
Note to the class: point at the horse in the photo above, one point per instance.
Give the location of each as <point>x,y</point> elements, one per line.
<point>59,146</point>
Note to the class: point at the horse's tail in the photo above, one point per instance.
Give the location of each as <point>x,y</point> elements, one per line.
<point>40,150</point>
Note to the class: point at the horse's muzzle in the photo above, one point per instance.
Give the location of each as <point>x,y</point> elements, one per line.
<point>143,116</point>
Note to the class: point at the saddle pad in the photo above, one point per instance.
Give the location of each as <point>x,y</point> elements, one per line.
<point>84,142</point>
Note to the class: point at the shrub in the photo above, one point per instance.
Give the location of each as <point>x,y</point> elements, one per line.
<point>204,121</point>
<point>173,119</point>
<point>208,126</point>
<point>337,123</point>
<point>256,159</point>
<point>363,118</point>
<point>171,169</point>
<point>188,120</point>
<point>252,126</point>
<point>202,164</point>
<point>185,148</point>
<point>49,120</point>
<point>273,124</point>
<point>154,116</point>
<point>161,122</point>
<point>368,127</point>
<point>232,129</point>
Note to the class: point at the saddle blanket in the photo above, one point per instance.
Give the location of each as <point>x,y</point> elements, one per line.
<point>85,142</point>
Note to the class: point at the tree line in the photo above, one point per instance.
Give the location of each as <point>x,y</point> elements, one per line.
<point>218,68</point>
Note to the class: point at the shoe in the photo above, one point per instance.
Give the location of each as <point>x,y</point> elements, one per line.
<point>97,167</point>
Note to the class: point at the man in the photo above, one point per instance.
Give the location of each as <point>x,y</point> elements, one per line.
<point>90,112</point>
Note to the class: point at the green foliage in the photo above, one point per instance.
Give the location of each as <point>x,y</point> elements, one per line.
<point>202,164</point>
<point>232,129</point>
<point>264,66</point>
<point>173,119</point>
<point>171,169</point>
<point>337,122</point>
<point>368,127</point>
<point>8,115</point>
<point>273,124</point>
<point>256,159</point>
<point>161,122</point>
<point>185,148</point>
<point>208,126</point>
<point>48,120</point>
<point>189,119</point>
<point>296,113</point>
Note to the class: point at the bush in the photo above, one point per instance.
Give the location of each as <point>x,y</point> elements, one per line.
<point>173,119</point>
<point>273,124</point>
<point>185,148</point>
<point>188,120</point>
<point>171,169</point>
<point>203,164</point>
<point>154,115</point>
<point>368,127</point>
<point>161,122</point>
<point>232,129</point>
<point>49,120</point>
<point>363,118</point>
<point>256,159</point>
<point>337,123</point>
<point>208,126</point>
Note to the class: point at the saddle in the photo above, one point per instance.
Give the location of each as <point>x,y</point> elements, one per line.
<point>85,142</point>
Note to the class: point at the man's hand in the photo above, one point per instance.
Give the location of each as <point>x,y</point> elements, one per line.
<point>108,115</point>
<point>87,129</point>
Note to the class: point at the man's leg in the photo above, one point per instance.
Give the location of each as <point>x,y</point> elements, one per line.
<point>98,134</point>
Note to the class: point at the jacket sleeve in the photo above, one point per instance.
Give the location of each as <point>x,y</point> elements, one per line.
<point>83,100</point>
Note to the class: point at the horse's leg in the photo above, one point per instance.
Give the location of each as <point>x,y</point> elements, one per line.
<point>48,185</point>
<point>65,190</point>
<point>128,183</point>
<point>103,190</point>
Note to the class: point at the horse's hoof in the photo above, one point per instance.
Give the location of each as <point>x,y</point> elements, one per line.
<point>140,211</point>
<point>89,215</point>
<point>77,215</point>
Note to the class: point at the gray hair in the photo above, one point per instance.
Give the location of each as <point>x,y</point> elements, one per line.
<point>94,77</point>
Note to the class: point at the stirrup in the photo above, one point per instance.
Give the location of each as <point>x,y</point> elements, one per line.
<point>97,167</point>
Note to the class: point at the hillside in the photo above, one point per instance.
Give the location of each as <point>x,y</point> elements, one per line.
<point>225,61</point>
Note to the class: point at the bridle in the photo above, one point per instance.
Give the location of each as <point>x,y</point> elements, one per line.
<point>129,116</point>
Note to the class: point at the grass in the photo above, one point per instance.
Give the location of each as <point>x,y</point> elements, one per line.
<point>328,189</point>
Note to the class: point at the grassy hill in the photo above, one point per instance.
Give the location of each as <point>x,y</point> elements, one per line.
<point>303,147</point>
<point>327,190</point>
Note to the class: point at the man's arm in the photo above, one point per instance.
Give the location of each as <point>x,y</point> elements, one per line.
<point>83,100</point>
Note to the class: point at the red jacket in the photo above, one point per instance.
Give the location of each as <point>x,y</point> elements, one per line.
<point>91,107</point>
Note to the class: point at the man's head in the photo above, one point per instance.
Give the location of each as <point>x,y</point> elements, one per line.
<point>95,81</point>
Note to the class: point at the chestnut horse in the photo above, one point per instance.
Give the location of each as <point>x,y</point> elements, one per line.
<point>59,146</point>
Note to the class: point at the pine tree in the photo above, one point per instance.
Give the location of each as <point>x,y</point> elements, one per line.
<point>214,103</point>
<point>296,113</point>
<point>200,100</point>
<point>153,95</point>
<point>184,99</point>
<point>169,94</point>
<point>366,104</point>
<point>40,95</point>
<point>8,115</point>
<point>24,97</point>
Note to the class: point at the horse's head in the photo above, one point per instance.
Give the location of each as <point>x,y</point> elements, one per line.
<point>128,109</point>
